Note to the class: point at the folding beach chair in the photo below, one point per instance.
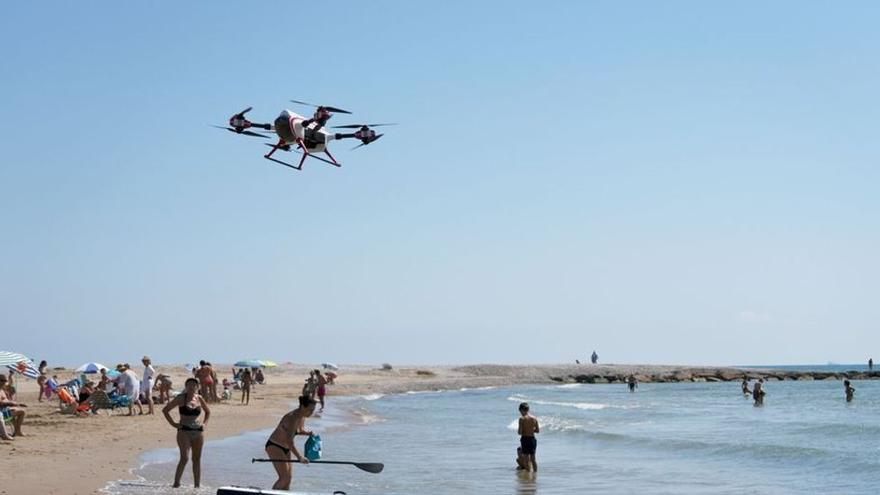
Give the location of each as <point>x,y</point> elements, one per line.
<point>100,400</point>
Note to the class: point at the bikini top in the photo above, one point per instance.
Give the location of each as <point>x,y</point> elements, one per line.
<point>185,410</point>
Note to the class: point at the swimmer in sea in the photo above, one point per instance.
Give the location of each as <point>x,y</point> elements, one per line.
<point>745,386</point>
<point>280,444</point>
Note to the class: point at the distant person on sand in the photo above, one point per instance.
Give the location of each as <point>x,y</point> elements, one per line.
<point>214,381</point>
<point>594,358</point>
<point>849,390</point>
<point>246,379</point>
<point>322,387</point>
<point>633,382</point>
<point>258,376</point>
<point>190,437</point>
<point>41,380</point>
<point>758,392</point>
<point>147,382</point>
<point>281,444</point>
<point>104,382</point>
<point>14,409</point>
<point>131,387</point>
<point>206,380</point>
<point>745,386</point>
<point>163,384</point>
<point>528,428</point>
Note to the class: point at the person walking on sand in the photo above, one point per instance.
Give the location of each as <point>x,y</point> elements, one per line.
<point>246,381</point>
<point>528,428</point>
<point>190,436</point>
<point>849,390</point>
<point>745,387</point>
<point>280,443</point>
<point>147,382</point>
<point>758,392</point>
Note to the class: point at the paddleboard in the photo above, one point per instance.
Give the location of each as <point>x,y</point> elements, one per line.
<point>249,490</point>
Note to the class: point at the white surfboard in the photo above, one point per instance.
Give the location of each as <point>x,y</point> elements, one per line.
<point>250,490</point>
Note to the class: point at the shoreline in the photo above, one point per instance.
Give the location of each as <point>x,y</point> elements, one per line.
<point>85,455</point>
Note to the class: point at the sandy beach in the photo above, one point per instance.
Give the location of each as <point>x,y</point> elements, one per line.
<point>65,454</point>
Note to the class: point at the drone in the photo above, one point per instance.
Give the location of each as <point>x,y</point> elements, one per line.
<point>299,134</point>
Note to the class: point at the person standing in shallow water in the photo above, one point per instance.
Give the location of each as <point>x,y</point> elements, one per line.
<point>745,387</point>
<point>528,428</point>
<point>849,390</point>
<point>280,444</point>
<point>870,364</point>
<point>758,392</point>
<point>633,383</point>
<point>190,438</point>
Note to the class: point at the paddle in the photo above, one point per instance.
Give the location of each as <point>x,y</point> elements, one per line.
<point>370,467</point>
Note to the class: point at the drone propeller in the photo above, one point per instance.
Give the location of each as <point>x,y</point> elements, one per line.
<point>368,142</point>
<point>325,107</point>
<point>246,110</point>
<point>359,126</point>
<point>246,133</point>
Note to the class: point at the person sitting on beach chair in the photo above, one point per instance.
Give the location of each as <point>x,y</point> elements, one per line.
<point>13,412</point>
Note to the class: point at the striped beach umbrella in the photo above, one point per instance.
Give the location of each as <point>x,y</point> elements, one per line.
<point>20,363</point>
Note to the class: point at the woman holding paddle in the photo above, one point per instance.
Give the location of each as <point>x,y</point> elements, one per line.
<point>280,443</point>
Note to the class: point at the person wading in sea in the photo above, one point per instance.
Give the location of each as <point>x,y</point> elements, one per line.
<point>849,390</point>
<point>281,444</point>
<point>528,428</point>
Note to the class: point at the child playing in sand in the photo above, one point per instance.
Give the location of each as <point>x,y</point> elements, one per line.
<point>528,427</point>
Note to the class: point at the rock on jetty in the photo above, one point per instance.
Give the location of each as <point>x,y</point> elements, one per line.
<point>618,373</point>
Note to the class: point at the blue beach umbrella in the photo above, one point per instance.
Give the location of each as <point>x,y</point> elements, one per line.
<point>91,367</point>
<point>249,363</point>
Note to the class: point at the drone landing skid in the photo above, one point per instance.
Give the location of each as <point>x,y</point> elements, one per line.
<point>305,155</point>
<point>282,163</point>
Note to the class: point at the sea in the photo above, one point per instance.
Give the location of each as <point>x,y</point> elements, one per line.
<point>665,438</point>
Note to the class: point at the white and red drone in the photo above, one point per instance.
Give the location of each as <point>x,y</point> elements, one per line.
<point>303,135</point>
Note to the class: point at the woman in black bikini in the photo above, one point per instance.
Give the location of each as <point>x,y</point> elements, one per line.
<point>280,443</point>
<point>189,431</point>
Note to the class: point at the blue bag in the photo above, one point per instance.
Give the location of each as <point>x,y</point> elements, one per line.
<point>313,448</point>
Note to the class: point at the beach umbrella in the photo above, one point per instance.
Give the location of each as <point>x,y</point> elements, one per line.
<point>113,373</point>
<point>91,367</point>
<point>20,363</point>
<point>329,366</point>
<point>269,364</point>
<point>249,363</point>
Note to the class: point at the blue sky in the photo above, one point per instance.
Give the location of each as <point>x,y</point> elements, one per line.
<point>676,182</point>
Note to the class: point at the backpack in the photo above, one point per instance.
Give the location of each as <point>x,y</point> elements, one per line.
<point>313,448</point>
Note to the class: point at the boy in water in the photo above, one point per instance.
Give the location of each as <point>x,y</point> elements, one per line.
<point>849,389</point>
<point>528,427</point>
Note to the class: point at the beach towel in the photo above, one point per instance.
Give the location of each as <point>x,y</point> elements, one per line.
<point>313,448</point>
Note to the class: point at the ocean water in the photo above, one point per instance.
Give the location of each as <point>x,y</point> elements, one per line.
<point>676,438</point>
